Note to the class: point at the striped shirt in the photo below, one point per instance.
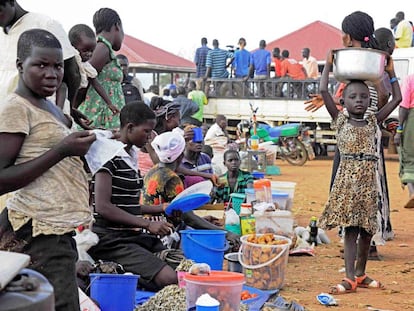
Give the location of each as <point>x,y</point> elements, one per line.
<point>244,180</point>
<point>126,186</point>
<point>217,60</point>
<point>200,60</point>
<point>201,164</point>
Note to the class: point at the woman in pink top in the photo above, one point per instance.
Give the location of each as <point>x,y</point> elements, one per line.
<point>405,136</point>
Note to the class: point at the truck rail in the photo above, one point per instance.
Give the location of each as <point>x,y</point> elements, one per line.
<point>278,101</point>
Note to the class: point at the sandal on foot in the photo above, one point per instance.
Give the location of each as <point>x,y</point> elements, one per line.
<point>366,282</point>
<point>339,289</point>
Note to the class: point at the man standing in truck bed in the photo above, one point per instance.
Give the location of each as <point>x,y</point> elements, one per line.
<point>260,61</point>
<point>216,62</point>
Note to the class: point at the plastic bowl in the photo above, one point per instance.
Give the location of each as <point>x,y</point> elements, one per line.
<point>359,64</point>
<point>224,286</point>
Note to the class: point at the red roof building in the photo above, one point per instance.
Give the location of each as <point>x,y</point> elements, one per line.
<point>144,57</point>
<point>319,37</point>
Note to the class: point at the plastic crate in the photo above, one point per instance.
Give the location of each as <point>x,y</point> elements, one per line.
<point>236,201</point>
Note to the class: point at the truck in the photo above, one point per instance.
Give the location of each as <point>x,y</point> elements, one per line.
<point>281,100</point>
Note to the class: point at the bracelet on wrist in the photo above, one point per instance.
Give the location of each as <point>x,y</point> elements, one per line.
<point>400,127</point>
<point>399,131</point>
<point>393,79</point>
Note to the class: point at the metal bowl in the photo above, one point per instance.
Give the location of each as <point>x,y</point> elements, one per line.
<point>359,64</point>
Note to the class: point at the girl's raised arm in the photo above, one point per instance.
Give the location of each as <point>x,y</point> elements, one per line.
<point>385,111</point>
<point>323,87</point>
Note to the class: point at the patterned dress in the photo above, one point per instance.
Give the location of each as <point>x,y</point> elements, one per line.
<point>353,200</point>
<point>110,78</point>
<point>161,184</point>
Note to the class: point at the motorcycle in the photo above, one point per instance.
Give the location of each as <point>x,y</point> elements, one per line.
<point>291,141</point>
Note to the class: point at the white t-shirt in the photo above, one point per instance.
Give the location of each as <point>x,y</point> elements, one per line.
<point>214,131</point>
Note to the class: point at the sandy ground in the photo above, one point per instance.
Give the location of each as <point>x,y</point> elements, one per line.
<point>308,276</point>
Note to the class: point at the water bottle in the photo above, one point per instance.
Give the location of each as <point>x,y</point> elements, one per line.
<point>313,231</point>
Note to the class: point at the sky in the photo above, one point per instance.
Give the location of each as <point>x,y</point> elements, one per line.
<point>177,26</point>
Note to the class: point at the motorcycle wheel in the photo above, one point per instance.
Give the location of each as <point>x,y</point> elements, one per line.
<point>299,156</point>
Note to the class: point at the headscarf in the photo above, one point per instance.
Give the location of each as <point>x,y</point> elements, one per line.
<point>168,146</point>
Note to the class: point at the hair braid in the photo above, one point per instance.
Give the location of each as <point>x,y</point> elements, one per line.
<point>360,26</point>
<point>104,19</point>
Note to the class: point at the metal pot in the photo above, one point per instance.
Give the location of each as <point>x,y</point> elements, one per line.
<point>233,262</point>
<point>359,64</point>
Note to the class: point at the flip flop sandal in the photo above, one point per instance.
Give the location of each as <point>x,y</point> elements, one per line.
<point>340,289</point>
<point>373,284</point>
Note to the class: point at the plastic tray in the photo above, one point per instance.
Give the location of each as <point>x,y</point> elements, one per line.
<point>187,203</point>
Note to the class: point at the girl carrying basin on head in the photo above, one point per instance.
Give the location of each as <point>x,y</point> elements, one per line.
<point>353,200</point>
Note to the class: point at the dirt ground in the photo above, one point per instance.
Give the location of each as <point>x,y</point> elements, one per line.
<point>308,276</point>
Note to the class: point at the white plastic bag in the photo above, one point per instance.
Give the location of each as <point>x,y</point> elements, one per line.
<point>86,303</point>
<point>231,217</point>
<point>84,241</point>
<point>103,149</point>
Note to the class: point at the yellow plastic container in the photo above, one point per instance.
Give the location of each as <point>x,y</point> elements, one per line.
<point>248,224</point>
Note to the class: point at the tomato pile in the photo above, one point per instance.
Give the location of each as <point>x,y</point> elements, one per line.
<point>245,294</point>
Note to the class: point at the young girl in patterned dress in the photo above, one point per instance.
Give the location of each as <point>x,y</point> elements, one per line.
<point>110,34</point>
<point>353,200</point>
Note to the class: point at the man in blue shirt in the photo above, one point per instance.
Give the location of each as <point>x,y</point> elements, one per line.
<point>201,57</point>
<point>260,61</point>
<point>241,61</point>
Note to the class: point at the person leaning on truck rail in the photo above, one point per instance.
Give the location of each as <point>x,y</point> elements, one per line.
<point>260,62</point>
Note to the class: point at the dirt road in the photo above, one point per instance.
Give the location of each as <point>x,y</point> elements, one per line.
<point>308,276</point>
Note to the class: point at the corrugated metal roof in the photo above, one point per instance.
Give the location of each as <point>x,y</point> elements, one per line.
<point>318,36</point>
<point>148,58</point>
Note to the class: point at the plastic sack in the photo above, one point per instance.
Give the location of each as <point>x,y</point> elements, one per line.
<point>103,149</point>
<point>84,241</point>
<point>86,303</point>
<point>231,217</point>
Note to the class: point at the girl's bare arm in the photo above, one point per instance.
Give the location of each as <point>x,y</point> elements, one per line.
<point>386,110</point>
<point>323,86</point>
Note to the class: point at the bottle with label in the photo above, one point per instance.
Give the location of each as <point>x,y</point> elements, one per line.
<point>313,231</point>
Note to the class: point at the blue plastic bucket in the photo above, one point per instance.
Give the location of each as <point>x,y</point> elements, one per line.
<point>114,292</point>
<point>205,246</point>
